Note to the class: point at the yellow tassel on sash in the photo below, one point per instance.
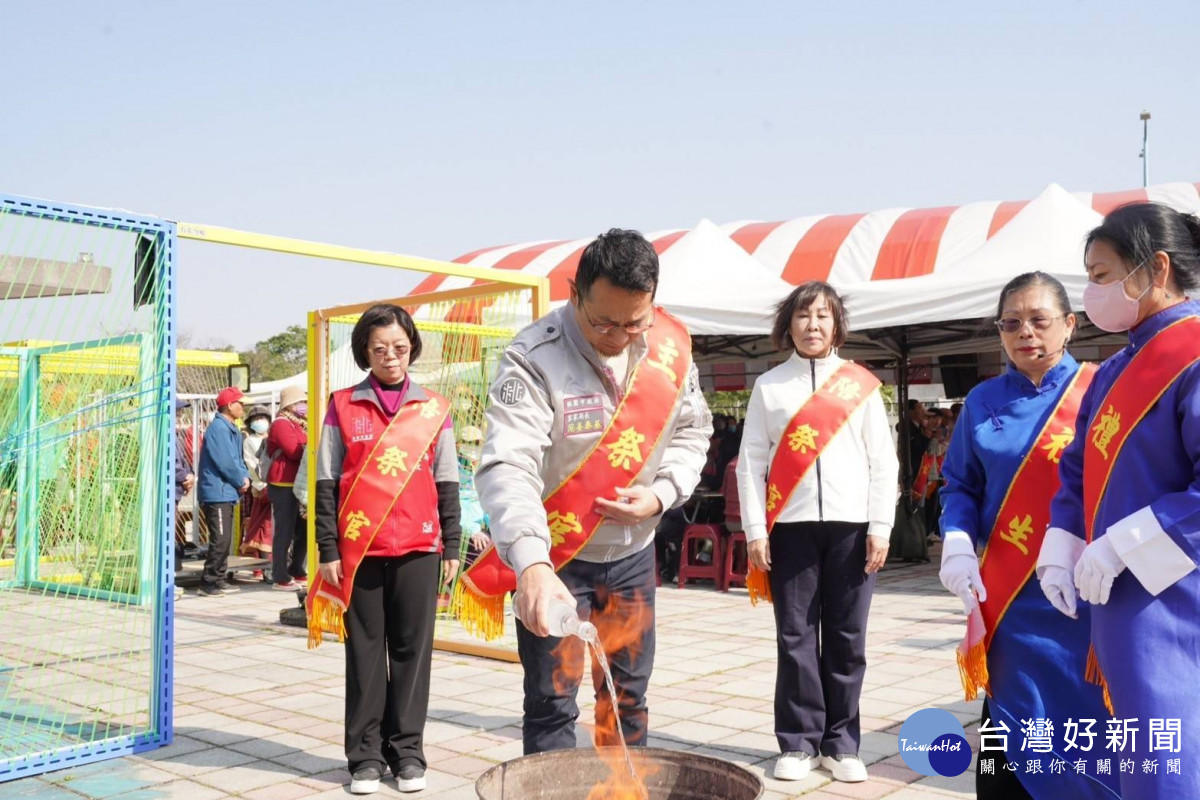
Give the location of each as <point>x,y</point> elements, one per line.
<point>480,614</point>
<point>973,671</point>
<point>758,586</point>
<point>1094,675</point>
<point>326,617</point>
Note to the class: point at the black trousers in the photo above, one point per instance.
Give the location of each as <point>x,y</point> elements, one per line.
<point>668,538</point>
<point>289,537</point>
<point>219,518</point>
<point>1003,784</point>
<point>617,596</point>
<point>389,651</point>
<point>821,601</point>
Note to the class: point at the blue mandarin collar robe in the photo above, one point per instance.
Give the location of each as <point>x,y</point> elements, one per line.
<point>1148,645</point>
<point>1037,656</point>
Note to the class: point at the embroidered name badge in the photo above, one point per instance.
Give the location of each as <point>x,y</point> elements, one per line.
<point>583,414</point>
<point>511,392</point>
<point>363,430</point>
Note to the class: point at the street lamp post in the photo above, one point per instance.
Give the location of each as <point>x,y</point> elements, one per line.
<point>1145,118</point>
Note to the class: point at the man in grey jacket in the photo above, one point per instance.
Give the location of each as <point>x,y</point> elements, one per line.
<point>558,386</point>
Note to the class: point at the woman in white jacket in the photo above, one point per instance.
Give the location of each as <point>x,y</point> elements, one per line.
<point>817,473</point>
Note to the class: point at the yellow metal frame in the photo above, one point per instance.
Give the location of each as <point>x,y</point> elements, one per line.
<point>378,258</point>
<point>120,359</point>
<point>488,281</point>
<point>318,394</point>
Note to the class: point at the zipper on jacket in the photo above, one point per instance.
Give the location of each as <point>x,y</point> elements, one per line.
<point>812,367</point>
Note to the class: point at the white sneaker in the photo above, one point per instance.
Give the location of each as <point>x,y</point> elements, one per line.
<point>792,767</point>
<point>365,780</point>
<point>410,778</point>
<point>845,768</point>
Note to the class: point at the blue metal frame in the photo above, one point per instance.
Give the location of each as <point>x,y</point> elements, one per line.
<point>162,723</point>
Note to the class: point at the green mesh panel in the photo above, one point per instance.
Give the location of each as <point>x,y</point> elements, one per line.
<point>83,425</point>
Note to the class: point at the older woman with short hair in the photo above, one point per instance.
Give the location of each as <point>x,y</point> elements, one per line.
<point>817,474</point>
<point>386,509</point>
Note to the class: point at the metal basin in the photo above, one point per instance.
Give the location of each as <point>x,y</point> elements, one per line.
<point>571,774</point>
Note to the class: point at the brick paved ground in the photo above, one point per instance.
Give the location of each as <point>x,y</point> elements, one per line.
<point>258,716</point>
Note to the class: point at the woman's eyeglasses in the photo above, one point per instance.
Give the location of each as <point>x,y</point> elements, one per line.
<point>382,352</point>
<point>1014,324</point>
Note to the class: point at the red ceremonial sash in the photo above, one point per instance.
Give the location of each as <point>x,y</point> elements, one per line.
<point>1020,526</point>
<point>378,486</point>
<point>811,429</point>
<point>1136,390</point>
<point>617,459</point>
<point>922,485</point>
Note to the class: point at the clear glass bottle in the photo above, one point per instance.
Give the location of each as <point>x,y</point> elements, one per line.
<point>563,620</point>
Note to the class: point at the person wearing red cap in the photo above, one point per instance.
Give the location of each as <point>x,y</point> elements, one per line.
<point>221,478</point>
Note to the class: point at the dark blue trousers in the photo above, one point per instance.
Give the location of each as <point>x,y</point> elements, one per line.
<point>821,601</point>
<point>616,596</point>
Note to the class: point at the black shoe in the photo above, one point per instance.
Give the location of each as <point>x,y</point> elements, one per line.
<point>365,780</point>
<point>411,778</point>
<point>225,587</point>
<point>209,590</point>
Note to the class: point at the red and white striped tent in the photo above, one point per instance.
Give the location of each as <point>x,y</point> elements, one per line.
<point>907,242</point>
<point>715,287</point>
<point>899,267</point>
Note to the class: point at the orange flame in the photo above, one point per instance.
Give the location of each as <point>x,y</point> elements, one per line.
<point>620,785</point>
<point>568,672</point>
<point>622,624</point>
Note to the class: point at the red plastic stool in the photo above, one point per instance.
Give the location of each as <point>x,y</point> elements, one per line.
<point>737,560</point>
<point>690,568</point>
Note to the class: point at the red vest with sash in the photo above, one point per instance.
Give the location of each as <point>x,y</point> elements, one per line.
<point>812,428</point>
<point>1149,374</point>
<point>619,457</point>
<point>1017,532</point>
<point>377,471</point>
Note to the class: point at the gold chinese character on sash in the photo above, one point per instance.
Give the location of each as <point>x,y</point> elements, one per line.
<point>355,522</point>
<point>626,448</point>
<point>846,388</point>
<point>803,438</point>
<point>562,524</point>
<point>391,463</point>
<point>665,356</point>
<point>1018,531</point>
<point>430,408</point>
<point>1058,442</point>
<point>773,497</point>
<point>1104,430</point>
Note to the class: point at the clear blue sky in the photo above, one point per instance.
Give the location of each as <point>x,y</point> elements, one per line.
<point>437,128</point>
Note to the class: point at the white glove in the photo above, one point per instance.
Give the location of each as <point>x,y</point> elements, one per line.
<point>1098,567</point>
<point>960,569</point>
<point>1059,588</point>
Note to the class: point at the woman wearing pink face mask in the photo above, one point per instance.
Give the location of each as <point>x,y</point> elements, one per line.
<point>1124,530</point>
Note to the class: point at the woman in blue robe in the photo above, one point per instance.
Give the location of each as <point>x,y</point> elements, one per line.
<point>1036,656</point>
<point>1138,573</point>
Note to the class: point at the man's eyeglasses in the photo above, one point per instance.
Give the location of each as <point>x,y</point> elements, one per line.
<point>1014,324</point>
<point>604,328</point>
